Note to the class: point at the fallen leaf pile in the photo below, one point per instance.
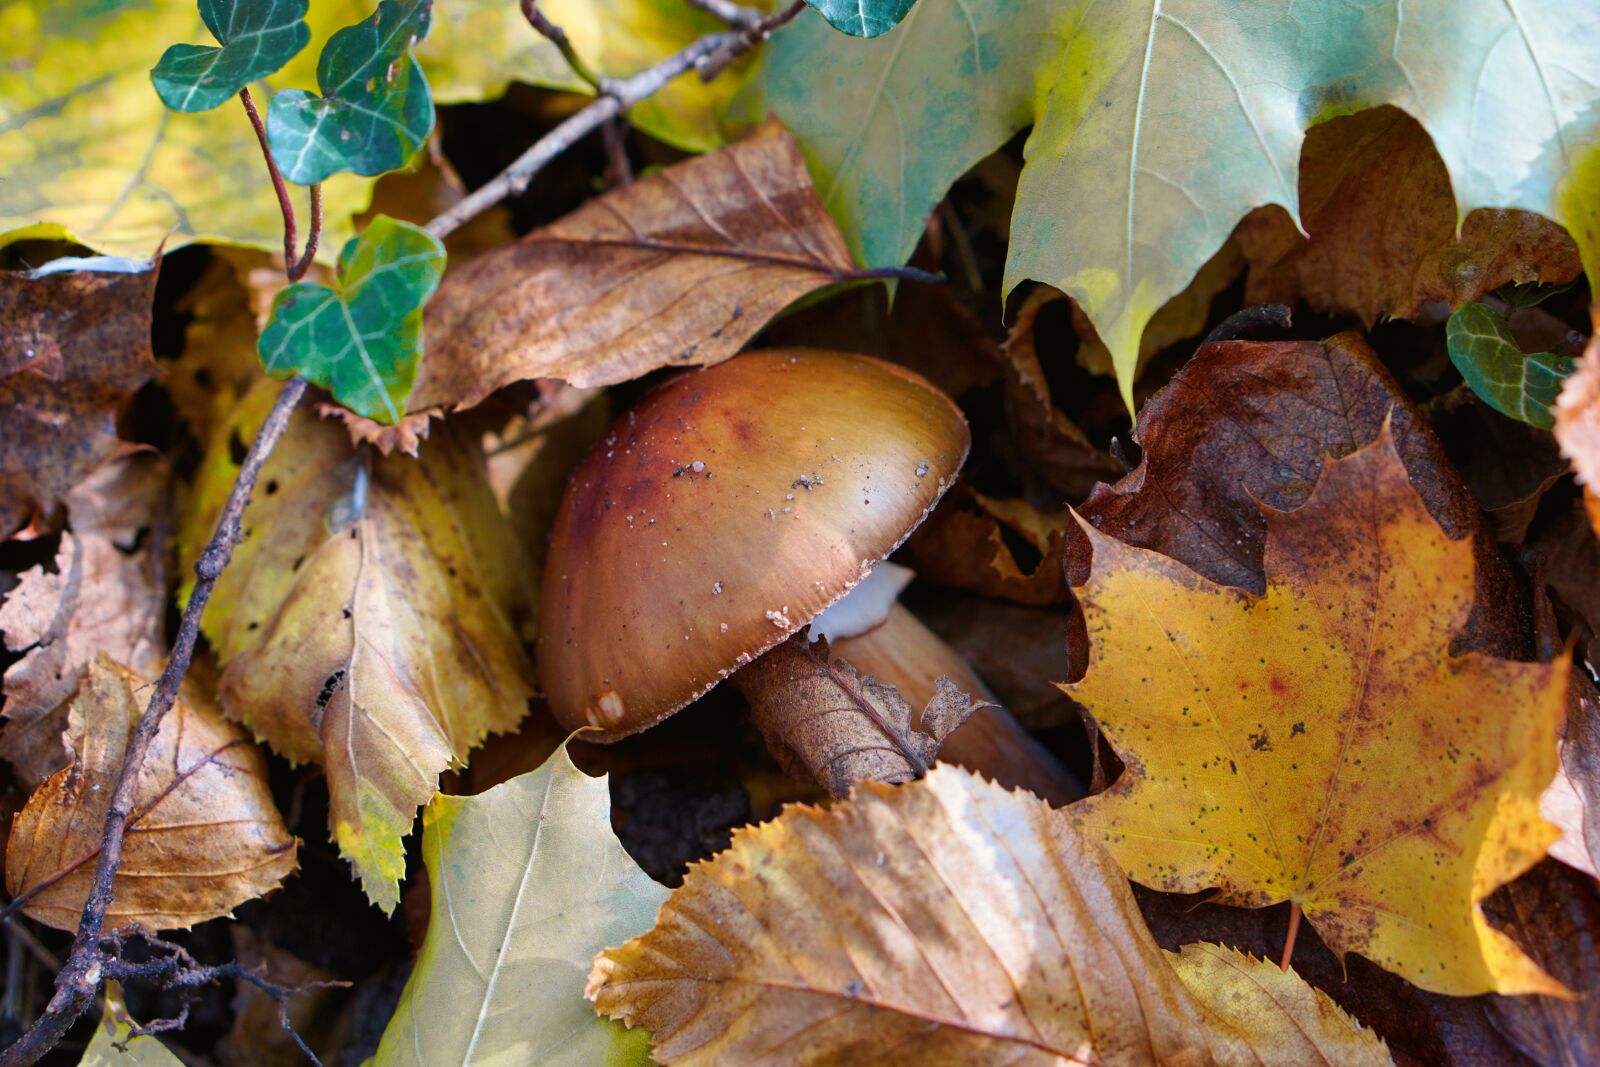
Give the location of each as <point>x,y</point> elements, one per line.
<point>1135,467</point>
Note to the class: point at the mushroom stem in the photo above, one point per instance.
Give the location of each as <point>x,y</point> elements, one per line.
<point>903,652</point>
<point>812,714</point>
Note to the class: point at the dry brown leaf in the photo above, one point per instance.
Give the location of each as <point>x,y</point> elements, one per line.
<point>823,723</point>
<point>371,620</point>
<point>104,595</point>
<point>204,836</point>
<point>680,268</point>
<point>1578,422</point>
<point>1050,441</point>
<point>1376,199</point>
<point>964,544</point>
<point>76,347</point>
<point>945,922</point>
<point>1247,422</point>
<point>218,364</point>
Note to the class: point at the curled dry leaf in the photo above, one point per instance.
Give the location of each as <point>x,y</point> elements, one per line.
<point>1577,426</point>
<point>1376,199</point>
<point>369,622</point>
<point>1319,743</point>
<point>603,295</point>
<point>945,921</point>
<point>1245,422</point>
<point>528,884</point>
<point>824,723</point>
<point>968,543</point>
<point>1050,441</point>
<point>77,346</point>
<point>204,836</point>
<point>104,595</point>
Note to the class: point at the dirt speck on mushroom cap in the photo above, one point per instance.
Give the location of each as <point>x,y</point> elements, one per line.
<point>873,447</point>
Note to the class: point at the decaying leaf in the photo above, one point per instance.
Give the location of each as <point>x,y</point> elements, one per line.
<point>823,723</point>
<point>204,836</point>
<point>1248,422</point>
<point>945,921</point>
<point>680,268</point>
<point>218,364</point>
<point>369,622</point>
<point>105,595</point>
<point>1577,423</point>
<point>1319,743</point>
<point>1375,199</point>
<point>77,346</point>
<point>968,543</point>
<point>1051,442</point>
<point>528,884</point>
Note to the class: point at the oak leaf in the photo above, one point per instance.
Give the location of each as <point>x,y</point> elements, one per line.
<point>104,595</point>
<point>1375,198</point>
<point>369,622</point>
<point>204,836</point>
<point>77,346</point>
<point>1319,743</point>
<point>680,268</point>
<point>528,883</point>
<point>945,921</point>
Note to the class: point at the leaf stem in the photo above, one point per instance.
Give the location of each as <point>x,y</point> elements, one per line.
<point>295,266</point>
<point>1289,939</point>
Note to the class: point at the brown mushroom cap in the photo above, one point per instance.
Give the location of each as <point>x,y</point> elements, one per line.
<point>722,514</point>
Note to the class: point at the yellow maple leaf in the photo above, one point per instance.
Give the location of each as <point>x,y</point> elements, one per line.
<point>1320,744</point>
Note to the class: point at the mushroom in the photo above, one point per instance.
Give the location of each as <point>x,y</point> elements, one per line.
<point>877,635</point>
<point>721,515</point>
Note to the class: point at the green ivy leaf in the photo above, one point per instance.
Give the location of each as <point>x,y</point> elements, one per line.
<point>863,18</point>
<point>258,37</point>
<point>362,340</point>
<point>375,110</point>
<point>1520,386</point>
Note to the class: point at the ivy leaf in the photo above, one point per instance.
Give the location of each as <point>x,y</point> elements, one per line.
<point>258,37</point>
<point>361,341</point>
<point>375,110</point>
<point>529,883</point>
<point>1519,386</point>
<point>863,18</point>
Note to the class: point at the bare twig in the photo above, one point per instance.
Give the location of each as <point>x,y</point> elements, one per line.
<point>86,967</point>
<point>558,37</point>
<point>614,134</point>
<point>616,98</point>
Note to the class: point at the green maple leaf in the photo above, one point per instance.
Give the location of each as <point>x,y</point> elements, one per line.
<point>362,340</point>
<point>257,36</point>
<point>1520,386</point>
<point>529,883</point>
<point>375,110</point>
<point>1157,126</point>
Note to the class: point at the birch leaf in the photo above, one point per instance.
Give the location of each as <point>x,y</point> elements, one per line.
<point>528,884</point>
<point>945,921</point>
<point>204,836</point>
<point>368,622</point>
<point>1319,743</point>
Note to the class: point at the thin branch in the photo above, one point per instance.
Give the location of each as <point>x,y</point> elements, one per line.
<point>709,55</point>
<point>86,967</point>
<point>558,37</point>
